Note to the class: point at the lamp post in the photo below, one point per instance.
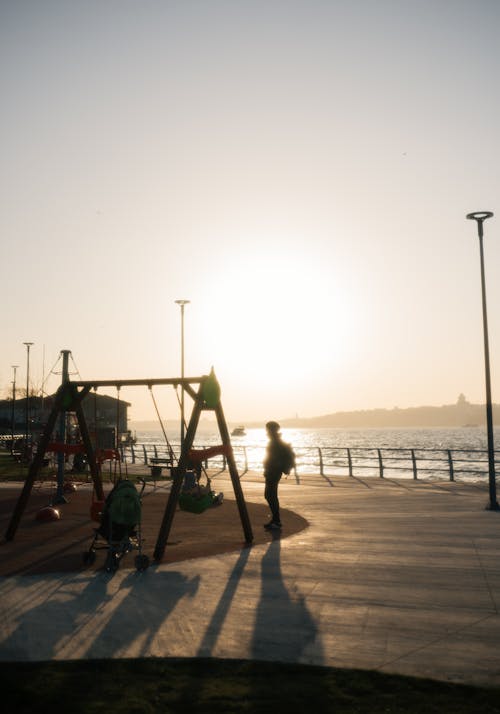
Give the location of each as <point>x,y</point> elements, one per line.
<point>480,217</point>
<point>13,420</point>
<point>182,303</point>
<point>28,345</point>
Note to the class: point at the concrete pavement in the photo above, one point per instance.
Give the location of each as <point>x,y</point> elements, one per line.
<point>392,575</point>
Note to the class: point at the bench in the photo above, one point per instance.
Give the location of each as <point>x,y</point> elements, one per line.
<point>156,464</point>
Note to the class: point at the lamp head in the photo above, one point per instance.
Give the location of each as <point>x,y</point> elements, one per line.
<point>479,215</point>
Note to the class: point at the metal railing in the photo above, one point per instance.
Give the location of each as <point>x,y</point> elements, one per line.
<point>412,463</point>
<point>406,462</point>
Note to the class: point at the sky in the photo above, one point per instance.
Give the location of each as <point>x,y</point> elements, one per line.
<point>299,170</point>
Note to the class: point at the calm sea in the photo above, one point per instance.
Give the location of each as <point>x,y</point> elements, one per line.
<point>390,437</point>
<point>326,450</point>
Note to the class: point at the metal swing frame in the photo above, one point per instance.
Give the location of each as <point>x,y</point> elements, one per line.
<point>69,397</point>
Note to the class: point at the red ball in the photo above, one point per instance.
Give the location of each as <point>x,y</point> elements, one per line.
<point>48,514</point>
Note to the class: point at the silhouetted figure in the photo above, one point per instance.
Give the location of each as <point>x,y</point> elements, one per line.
<point>280,459</point>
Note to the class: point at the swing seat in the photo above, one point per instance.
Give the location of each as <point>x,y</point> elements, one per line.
<point>102,455</point>
<point>195,504</point>
<point>199,455</point>
<point>66,449</point>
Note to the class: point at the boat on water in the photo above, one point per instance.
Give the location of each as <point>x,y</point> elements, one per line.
<point>238,431</point>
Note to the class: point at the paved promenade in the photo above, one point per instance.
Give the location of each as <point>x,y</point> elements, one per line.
<point>391,575</point>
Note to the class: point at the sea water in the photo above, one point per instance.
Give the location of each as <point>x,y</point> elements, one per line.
<point>329,449</point>
<point>388,437</point>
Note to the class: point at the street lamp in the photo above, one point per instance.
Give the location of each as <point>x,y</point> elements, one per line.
<point>13,424</point>
<point>480,217</point>
<point>28,345</point>
<point>182,303</point>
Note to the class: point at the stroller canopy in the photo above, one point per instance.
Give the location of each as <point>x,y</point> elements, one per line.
<point>125,504</point>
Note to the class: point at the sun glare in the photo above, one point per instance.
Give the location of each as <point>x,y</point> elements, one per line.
<point>284,315</point>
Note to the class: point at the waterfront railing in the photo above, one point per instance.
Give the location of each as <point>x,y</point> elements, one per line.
<point>415,463</point>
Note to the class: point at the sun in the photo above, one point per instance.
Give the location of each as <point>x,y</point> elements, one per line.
<point>277,315</point>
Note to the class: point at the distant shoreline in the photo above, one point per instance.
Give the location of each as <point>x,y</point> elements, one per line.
<point>462,414</point>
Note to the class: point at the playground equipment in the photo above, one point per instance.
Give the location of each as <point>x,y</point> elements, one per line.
<point>48,514</point>
<point>205,393</point>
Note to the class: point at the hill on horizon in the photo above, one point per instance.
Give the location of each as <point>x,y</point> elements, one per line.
<point>463,413</point>
<point>460,414</point>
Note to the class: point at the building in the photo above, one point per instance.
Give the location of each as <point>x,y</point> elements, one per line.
<point>102,414</point>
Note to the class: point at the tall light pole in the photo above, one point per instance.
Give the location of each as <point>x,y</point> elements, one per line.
<point>182,303</point>
<point>28,345</point>
<point>13,424</point>
<point>480,217</point>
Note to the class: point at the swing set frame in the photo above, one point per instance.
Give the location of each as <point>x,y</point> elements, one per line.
<point>202,389</point>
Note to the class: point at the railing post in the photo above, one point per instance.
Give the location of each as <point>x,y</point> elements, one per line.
<point>155,450</point>
<point>380,464</point>
<point>145,455</point>
<point>133,453</point>
<point>321,470</point>
<point>450,462</point>
<point>414,464</point>
<point>349,461</point>
<point>246,459</point>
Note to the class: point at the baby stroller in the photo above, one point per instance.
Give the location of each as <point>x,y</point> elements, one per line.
<point>120,527</point>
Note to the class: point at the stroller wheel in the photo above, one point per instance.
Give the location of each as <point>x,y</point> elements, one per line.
<point>89,557</point>
<point>112,562</point>
<point>141,562</point>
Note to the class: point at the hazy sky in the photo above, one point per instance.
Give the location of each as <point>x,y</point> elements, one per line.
<point>299,169</point>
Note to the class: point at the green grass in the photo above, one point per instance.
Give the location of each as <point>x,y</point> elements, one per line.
<point>11,470</point>
<point>226,686</point>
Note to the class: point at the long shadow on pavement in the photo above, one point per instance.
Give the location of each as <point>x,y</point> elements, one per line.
<point>284,628</point>
<point>144,605</point>
<point>217,621</point>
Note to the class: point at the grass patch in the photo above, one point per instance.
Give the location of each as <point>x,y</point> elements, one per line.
<point>145,686</point>
<point>10,469</point>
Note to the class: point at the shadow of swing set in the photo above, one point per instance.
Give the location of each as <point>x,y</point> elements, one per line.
<point>205,392</point>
